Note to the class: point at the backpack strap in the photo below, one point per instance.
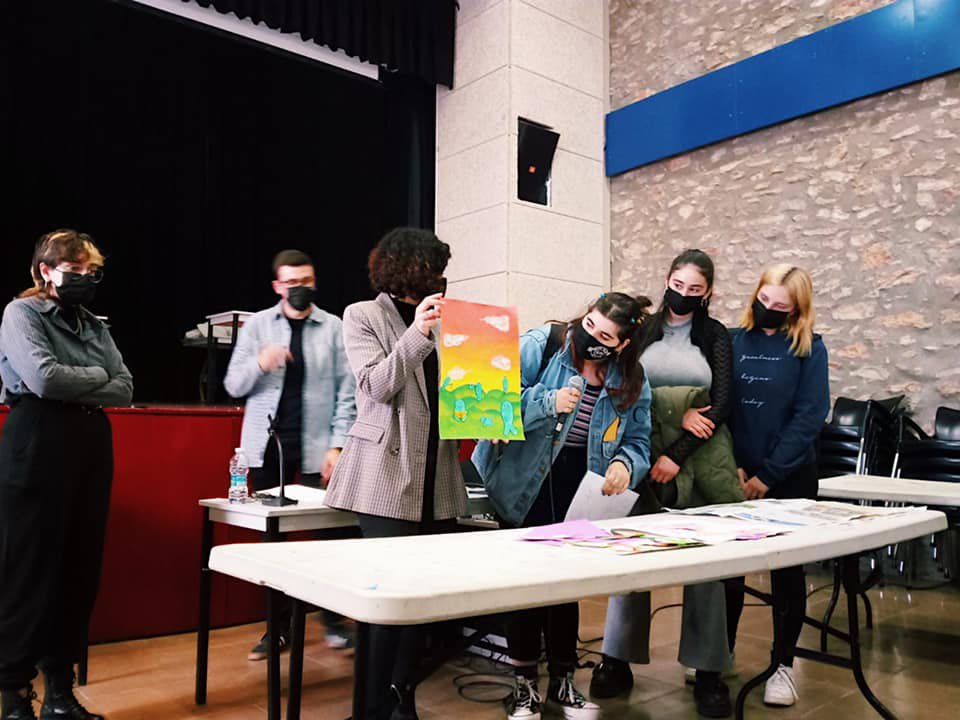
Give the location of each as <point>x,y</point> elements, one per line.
<point>554,343</point>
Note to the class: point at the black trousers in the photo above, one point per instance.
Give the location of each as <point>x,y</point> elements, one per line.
<point>56,469</point>
<point>788,585</point>
<point>558,625</point>
<point>395,651</point>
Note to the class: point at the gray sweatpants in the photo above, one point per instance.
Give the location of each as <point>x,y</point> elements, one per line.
<point>703,630</point>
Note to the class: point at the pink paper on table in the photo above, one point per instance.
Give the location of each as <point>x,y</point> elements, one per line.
<point>572,530</point>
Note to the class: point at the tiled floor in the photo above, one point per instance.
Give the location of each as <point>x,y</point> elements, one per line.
<point>912,659</point>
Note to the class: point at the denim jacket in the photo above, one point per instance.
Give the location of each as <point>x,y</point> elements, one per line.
<point>328,384</point>
<point>514,473</point>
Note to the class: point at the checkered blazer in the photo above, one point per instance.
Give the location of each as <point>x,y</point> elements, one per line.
<point>382,467</point>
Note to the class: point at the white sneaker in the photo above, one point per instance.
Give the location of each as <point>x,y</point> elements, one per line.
<point>781,688</point>
<point>729,671</point>
<point>563,696</point>
<point>524,704</point>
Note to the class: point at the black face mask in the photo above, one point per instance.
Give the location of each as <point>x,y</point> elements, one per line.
<point>766,318</point>
<point>300,297</point>
<point>682,304</point>
<point>76,289</point>
<point>588,347</point>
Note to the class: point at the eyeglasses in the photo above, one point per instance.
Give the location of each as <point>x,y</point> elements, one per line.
<point>295,282</point>
<point>95,275</point>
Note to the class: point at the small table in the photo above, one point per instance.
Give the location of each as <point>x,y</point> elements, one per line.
<point>310,513</point>
<point>413,580</point>
<point>881,489</point>
<point>886,489</point>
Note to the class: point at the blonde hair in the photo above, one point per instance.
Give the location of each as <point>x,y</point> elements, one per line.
<point>799,324</point>
<point>63,245</point>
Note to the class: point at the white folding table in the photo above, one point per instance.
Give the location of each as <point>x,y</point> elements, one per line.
<point>880,488</point>
<point>886,489</point>
<point>310,513</point>
<point>413,580</point>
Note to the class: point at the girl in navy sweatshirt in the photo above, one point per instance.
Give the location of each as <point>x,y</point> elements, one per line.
<point>781,399</point>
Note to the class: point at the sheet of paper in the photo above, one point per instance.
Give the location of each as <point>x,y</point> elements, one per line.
<point>574,530</point>
<point>479,372</point>
<point>591,504</point>
<point>303,493</point>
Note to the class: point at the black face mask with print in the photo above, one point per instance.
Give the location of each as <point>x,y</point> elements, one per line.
<point>767,318</point>
<point>588,347</point>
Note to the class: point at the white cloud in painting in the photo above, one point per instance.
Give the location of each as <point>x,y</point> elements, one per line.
<point>456,373</point>
<point>501,362</point>
<point>454,340</point>
<point>500,322</point>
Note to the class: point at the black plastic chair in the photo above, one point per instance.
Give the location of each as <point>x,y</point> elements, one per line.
<point>861,439</point>
<point>937,458</point>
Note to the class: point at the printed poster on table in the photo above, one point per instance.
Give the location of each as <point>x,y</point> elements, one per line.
<point>479,372</point>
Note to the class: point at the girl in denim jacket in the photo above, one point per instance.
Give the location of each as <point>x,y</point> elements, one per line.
<point>604,428</point>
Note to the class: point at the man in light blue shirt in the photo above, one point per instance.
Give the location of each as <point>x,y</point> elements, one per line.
<point>290,365</point>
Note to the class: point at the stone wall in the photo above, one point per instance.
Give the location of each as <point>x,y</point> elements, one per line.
<point>865,196</point>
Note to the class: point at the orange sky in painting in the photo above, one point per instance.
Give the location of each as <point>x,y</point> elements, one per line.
<point>484,343</point>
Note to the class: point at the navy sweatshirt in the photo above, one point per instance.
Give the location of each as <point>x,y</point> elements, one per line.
<point>780,404</point>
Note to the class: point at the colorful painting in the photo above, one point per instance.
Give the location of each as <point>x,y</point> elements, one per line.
<point>479,372</point>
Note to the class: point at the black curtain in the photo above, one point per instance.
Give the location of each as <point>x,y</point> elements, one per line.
<point>192,157</point>
<point>413,36</point>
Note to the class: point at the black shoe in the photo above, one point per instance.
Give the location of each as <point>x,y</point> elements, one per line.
<point>612,677</point>
<point>59,702</point>
<point>17,704</point>
<point>713,698</point>
<point>406,706</point>
<point>262,648</point>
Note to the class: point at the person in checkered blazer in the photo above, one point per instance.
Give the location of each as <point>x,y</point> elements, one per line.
<point>395,473</point>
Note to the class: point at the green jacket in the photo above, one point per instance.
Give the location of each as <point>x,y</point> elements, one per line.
<point>708,476</point>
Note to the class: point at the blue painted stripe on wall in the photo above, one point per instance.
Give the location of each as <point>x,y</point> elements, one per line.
<point>904,42</point>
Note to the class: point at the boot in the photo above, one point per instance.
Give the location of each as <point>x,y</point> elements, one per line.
<point>17,704</point>
<point>59,702</point>
<point>405,707</point>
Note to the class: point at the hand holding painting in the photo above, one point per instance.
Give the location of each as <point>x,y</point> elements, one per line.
<point>428,313</point>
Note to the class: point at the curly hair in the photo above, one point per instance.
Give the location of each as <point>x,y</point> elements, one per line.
<point>408,262</point>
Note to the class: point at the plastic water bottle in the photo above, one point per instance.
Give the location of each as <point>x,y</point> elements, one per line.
<point>238,477</point>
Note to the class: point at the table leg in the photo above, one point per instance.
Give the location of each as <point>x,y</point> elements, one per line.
<point>852,586</point>
<point>203,624</point>
<point>361,663</point>
<point>275,600</point>
<point>832,605</point>
<point>296,659</point>
<point>769,671</point>
<point>83,664</point>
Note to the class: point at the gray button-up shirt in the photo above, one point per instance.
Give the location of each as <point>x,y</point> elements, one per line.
<point>41,354</point>
<point>328,384</point>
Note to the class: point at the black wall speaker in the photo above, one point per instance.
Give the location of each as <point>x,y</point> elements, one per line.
<point>536,145</point>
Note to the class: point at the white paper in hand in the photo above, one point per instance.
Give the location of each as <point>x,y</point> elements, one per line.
<point>591,504</point>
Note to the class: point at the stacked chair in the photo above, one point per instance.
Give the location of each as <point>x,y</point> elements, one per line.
<point>933,457</point>
<point>859,439</point>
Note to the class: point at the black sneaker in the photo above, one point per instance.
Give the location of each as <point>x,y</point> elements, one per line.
<point>563,696</point>
<point>713,698</point>
<point>64,706</point>
<point>262,648</point>
<point>611,678</point>
<point>524,704</point>
<point>17,704</point>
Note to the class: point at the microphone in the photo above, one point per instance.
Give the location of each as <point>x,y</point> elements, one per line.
<point>575,383</point>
